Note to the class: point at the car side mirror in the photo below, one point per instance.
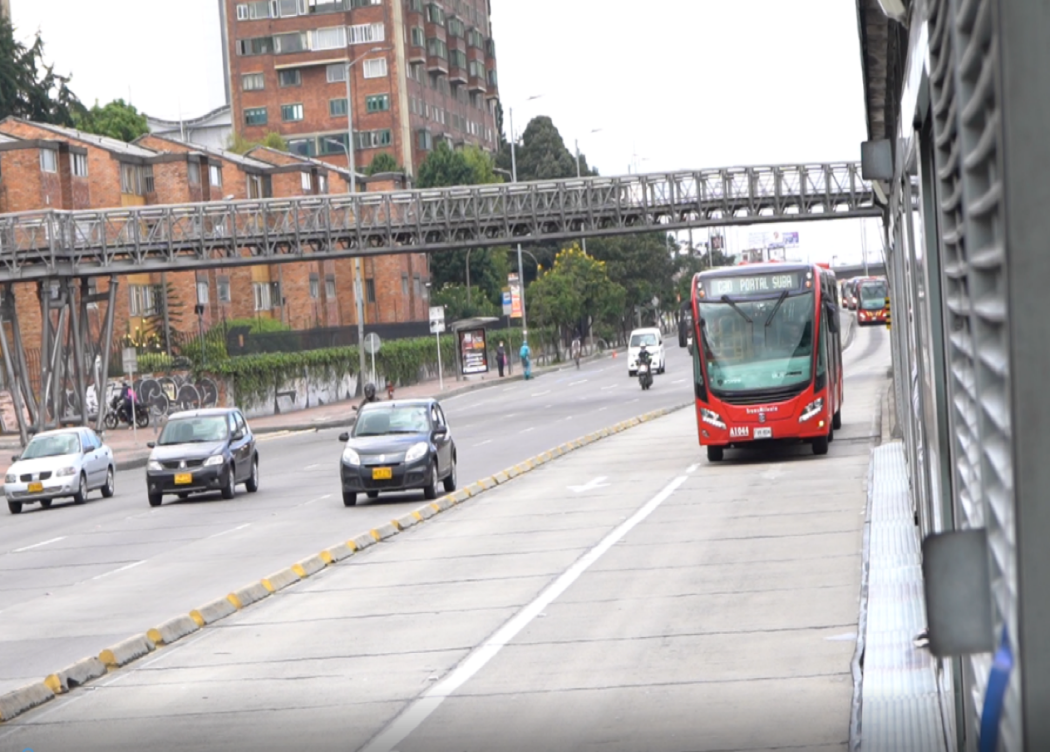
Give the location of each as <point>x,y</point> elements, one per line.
<point>151,444</point>
<point>344,437</point>
<point>356,408</point>
<point>14,457</point>
<point>440,432</point>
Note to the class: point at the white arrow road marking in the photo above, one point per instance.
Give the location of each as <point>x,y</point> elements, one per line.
<point>416,713</point>
<point>37,545</point>
<point>598,482</point>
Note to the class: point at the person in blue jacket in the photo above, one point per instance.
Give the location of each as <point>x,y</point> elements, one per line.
<point>526,359</point>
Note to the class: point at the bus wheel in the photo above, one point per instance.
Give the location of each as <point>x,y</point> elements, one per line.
<point>836,421</point>
<point>714,454</point>
<point>820,445</point>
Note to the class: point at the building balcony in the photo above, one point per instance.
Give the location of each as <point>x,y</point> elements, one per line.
<point>436,31</point>
<point>457,74</point>
<point>477,84</point>
<point>437,64</point>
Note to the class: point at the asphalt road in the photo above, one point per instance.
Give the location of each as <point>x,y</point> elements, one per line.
<point>628,596</point>
<point>74,580</point>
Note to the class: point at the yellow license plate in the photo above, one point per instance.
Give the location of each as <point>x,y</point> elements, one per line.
<point>36,488</point>
<point>382,473</point>
<point>183,479</point>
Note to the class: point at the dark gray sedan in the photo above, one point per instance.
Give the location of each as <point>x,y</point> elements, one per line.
<point>398,446</point>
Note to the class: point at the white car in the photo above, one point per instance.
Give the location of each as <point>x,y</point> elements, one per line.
<point>68,462</point>
<point>654,343</point>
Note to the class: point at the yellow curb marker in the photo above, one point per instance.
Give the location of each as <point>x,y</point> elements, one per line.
<point>232,598</point>
<point>298,569</point>
<point>195,615</point>
<point>375,535</point>
<point>418,516</point>
<point>54,684</point>
<point>266,584</point>
<point>155,637</point>
<point>352,546</point>
<point>396,524</point>
<point>326,558</point>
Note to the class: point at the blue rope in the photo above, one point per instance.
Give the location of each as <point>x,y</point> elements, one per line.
<point>995,694</point>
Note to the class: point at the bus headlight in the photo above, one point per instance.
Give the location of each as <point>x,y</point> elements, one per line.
<point>713,418</point>
<point>813,409</point>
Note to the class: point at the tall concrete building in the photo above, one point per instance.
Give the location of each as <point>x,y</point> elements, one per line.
<point>419,72</point>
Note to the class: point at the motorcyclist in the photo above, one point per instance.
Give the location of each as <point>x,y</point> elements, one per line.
<point>127,399</point>
<point>644,356</point>
<point>370,395</point>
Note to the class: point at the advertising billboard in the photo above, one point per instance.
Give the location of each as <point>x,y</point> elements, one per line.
<point>473,356</point>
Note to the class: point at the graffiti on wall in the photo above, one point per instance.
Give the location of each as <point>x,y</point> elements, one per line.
<point>163,395</point>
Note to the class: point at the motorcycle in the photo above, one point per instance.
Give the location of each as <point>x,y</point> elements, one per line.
<point>118,414</point>
<point>645,375</point>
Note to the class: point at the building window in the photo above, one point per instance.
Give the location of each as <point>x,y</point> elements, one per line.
<point>80,166</point>
<point>404,285</point>
<point>415,72</point>
<point>437,48</point>
<point>329,39</point>
<point>375,68</point>
<point>130,179</point>
<point>253,11</point>
<point>255,186</point>
<point>426,140</point>
<point>492,78</point>
<point>147,179</point>
<point>289,8</point>
<point>458,58</point>
<point>435,14</point>
<point>372,139</point>
<point>215,175</point>
<point>276,298</point>
<point>291,77</point>
<point>255,116</point>
<point>315,286</point>
<point>336,72</point>
<point>365,33</point>
<point>322,184</point>
<point>261,291</point>
<point>193,170</point>
<point>202,292</point>
<point>142,301</point>
<point>297,41</point>
<point>334,144</point>
<point>304,147</point>
<point>48,160</point>
<point>370,290</point>
<point>378,103</point>
<point>418,284</point>
<point>329,286</point>
<point>418,36</point>
<point>255,46</point>
<point>253,82</point>
<point>456,28</point>
<point>222,289</point>
<point>364,3</point>
<point>476,39</point>
<point>306,182</point>
<point>337,107</point>
<point>291,113</point>
<point>416,6</point>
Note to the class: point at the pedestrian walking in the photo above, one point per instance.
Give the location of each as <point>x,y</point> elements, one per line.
<point>501,358</point>
<point>526,360</point>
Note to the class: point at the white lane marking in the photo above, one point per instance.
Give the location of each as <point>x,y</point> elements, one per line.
<point>530,428</point>
<point>313,466</point>
<point>540,394</point>
<point>632,401</point>
<point>602,409</point>
<point>431,700</point>
<point>590,485</point>
<point>679,381</point>
<point>692,468</point>
<point>486,441</point>
<point>611,386</point>
<point>577,383</point>
<point>319,498</point>
<point>38,545</point>
<point>231,530</point>
<point>120,569</point>
<point>282,434</point>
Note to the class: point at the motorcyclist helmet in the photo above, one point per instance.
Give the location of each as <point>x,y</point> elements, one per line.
<point>370,391</point>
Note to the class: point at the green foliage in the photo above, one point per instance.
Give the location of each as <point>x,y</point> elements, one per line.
<point>117,120</point>
<point>29,88</point>
<point>643,265</point>
<point>167,315</point>
<point>257,325</point>
<point>454,298</point>
<point>238,144</point>
<point>576,289</point>
<point>382,162</point>
<point>689,266</point>
<point>542,154</point>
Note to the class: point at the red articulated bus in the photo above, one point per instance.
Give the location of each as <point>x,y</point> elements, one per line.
<point>872,294</point>
<point>767,356</point>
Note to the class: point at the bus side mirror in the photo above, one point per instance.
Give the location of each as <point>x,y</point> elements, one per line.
<point>833,319</point>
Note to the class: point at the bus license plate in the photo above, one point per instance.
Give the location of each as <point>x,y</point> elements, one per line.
<point>763,433</point>
<point>36,488</point>
<point>382,473</point>
<point>183,479</point>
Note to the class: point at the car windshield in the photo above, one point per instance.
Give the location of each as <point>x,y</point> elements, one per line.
<point>758,344</point>
<point>387,420</point>
<point>873,296</point>
<point>649,340</point>
<point>54,445</point>
<point>194,430</point>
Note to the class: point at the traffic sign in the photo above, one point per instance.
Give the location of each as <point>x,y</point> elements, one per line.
<point>372,343</point>
<point>130,358</point>
<point>437,319</point>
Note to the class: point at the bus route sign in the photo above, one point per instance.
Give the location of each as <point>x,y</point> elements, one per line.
<point>753,284</point>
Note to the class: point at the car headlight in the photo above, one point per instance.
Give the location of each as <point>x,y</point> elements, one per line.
<point>711,417</point>
<point>813,409</point>
<point>417,452</point>
<point>351,457</point>
<point>10,478</point>
<point>65,472</point>
<point>154,466</point>
<point>215,459</point>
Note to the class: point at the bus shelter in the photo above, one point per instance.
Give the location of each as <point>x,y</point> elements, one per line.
<point>472,353</point>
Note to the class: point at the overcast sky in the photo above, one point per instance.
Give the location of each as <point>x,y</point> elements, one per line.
<point>671,84</point>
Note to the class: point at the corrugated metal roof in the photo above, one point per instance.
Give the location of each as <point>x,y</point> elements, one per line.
<point>103,142</point>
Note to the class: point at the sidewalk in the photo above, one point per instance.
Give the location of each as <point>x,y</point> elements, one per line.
<point>130,450</point>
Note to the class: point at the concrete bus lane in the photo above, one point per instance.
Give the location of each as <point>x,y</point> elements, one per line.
<point>629,595</point>
<point>75,580</point>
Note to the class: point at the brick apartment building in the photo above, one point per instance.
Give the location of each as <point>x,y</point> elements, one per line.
<point>49,167</point>
<point>433,78</point>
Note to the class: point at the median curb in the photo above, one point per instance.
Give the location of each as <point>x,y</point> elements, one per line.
<point>24,699</point>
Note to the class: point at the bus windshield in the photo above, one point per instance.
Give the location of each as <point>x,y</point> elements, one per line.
<point>873,296</point>
<point>758,344</point>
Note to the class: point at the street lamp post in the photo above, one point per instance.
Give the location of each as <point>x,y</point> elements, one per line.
<point>514,179</point>
<point>351,162</point>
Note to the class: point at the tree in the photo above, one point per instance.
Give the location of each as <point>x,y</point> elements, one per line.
<point>574,293</point>
<point>689,265</point>
<point>238,144</point>
<point>644,266</point>
<point>454,299</point>
<point>117,120</point>
<point>30,89</point>
<point>383,162</point>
